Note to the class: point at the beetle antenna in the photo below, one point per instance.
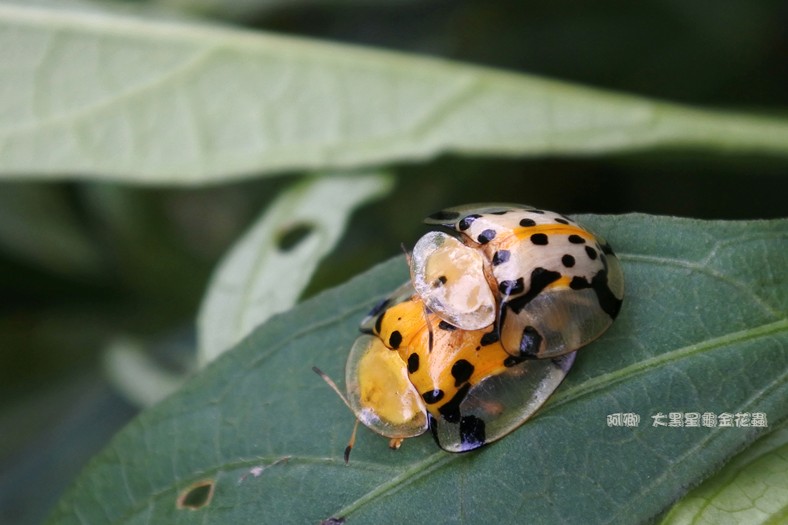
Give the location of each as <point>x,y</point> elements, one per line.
<point>350,443</point>
<point>408,259</point>
<point>335,388</point>
<point>406,252</point>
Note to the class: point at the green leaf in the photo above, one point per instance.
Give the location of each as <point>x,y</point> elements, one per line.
<point>243,9</point>
<point>268,268</point>
<point>105,94</point>
<point>703,329</point>
<point>753,488</point>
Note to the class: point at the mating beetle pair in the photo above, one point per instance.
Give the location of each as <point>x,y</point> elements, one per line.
<point>487,327</point>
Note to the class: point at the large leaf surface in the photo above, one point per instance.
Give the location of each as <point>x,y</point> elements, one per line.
<point>90,93</point>
<point>703,328</point>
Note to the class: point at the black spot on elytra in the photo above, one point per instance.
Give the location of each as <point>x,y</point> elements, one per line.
<point>472,432</point>
<point>466,222</point>
<point>530,342</point>
<point>486,236</point>
<point>527,223</point>
<point>443,325</point>
<point>440,281</point>
<point>579,283</point>
<point>536,211</point>
<point>541,278</point>
<point>609,303</point>
<point>562,221</point>
<point>568,261</point>
<point>576,239</point>
<point>509,288</point>
<point>395,339</point>
<point>591,253</point>
<point>539,239</point>
<point>451,409</point>
<point>500,257</point>
<point>499,212</point>
<point>413,363</point>
<point>461,371</point>
<point>489,338</point>
<point>433,396</point>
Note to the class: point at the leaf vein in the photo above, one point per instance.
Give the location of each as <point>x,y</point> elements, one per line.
<point>612,378</point>
<point>429,464</point>
<point>700,268</point>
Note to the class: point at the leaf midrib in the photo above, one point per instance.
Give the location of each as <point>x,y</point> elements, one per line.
<point>641,367</point>
<point>256,461</point>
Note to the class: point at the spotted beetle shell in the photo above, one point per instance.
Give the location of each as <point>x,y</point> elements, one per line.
<point>487,327</point>
<point>558,286</point>
<point>461,384</point>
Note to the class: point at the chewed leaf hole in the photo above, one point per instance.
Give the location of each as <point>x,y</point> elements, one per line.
<point>293,235</point>
<point>197,495</point>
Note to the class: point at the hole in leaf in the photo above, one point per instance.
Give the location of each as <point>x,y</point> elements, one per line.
<point>293,235</point>
<point>197,495</point>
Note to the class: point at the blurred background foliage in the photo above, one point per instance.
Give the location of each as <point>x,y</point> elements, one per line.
<point>84,263</point>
